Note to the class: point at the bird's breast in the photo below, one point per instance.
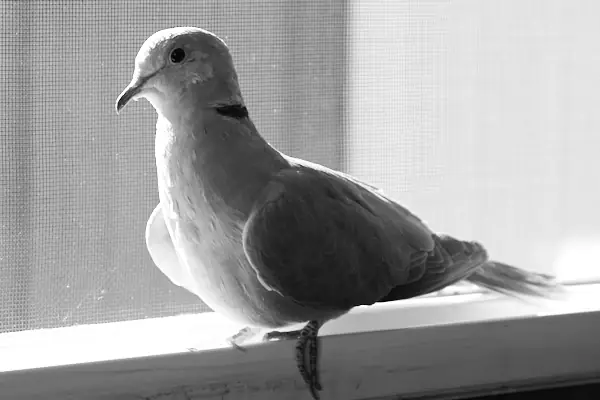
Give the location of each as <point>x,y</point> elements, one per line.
<point>207,235</point>
<point>206,194</point>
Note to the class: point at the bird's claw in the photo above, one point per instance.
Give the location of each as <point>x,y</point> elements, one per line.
<point>242,336</point>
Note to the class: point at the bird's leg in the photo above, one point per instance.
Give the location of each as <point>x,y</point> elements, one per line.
<point>243,336</point>
<point>313,354</point>
<point>307,342</point>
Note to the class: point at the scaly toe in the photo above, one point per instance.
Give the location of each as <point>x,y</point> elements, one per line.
<point>313,357</point>
<point>278,335</point>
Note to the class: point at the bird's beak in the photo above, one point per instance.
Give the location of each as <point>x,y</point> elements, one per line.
<point>132,90</point>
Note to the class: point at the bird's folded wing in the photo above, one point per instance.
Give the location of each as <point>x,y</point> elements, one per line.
<point>161,249</point>
<point>324,240</point>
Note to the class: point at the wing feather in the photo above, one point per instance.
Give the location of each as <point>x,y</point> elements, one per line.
<point>327,241</point>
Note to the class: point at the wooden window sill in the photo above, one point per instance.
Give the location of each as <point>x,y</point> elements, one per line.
<point>437,346</point>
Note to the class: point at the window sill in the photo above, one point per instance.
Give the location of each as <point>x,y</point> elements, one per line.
<point>436,346</point>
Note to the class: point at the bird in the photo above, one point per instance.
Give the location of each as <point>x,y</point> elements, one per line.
<point>269,240</point>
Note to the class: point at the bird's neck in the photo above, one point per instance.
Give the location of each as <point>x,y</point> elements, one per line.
<point>219,153</point>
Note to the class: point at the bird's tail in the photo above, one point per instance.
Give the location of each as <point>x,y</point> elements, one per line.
<point>524,285</point>
<point>455,260</point>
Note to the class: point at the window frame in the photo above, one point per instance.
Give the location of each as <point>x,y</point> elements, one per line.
<point>459,345</point>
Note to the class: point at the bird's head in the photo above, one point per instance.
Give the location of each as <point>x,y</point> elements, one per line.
<point>180,65</point>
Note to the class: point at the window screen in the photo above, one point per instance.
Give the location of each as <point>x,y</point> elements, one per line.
<point>479,116</point>
<point>78,182</point>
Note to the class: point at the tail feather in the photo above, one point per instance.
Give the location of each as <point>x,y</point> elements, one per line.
<point>515,282</point>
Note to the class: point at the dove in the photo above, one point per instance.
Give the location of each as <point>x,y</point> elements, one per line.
<point>269,240</point>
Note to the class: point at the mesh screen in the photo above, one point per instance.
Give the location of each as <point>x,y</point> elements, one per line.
<point>78,183</point>
<point>479,118</point>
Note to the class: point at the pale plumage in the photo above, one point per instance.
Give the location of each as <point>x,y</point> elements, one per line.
<point>269,240</point>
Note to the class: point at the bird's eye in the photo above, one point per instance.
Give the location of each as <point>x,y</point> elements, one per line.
<point>177,55</point>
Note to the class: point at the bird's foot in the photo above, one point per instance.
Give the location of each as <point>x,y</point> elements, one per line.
<point>243,336</point>
<point>281,335</point>
<point>307,343</point>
